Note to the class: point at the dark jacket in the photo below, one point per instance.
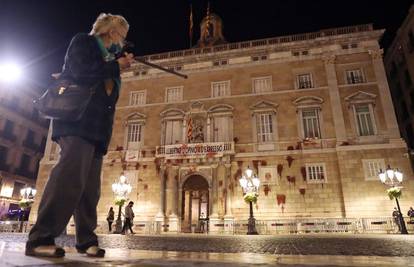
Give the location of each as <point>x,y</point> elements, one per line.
<point>84,64</point>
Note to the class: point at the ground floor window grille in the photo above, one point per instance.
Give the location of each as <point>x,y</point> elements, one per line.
<point>372,168</point>
<point>315,173</point>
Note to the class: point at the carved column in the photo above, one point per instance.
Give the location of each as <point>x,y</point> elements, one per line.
<point>214,218</point>
<point>184,131</point>
<point>384,93</point>
<point>214,193</point>
<point>335,99</point>
<point>228,217</point>
<point>160,217</point>
<point>208,130</point>
<point>172,198</point>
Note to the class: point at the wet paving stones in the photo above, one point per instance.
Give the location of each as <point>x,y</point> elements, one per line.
<point>352,245</point>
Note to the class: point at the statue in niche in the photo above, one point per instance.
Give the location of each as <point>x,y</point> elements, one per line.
<point>196,131</point>
<point>199,135</point>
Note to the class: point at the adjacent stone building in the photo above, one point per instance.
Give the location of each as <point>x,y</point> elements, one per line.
<point>22,140</point>
<point>399,64</point>
<point>310,113</point>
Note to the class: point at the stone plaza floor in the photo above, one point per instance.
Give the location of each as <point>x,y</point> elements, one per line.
<point>202,250</point>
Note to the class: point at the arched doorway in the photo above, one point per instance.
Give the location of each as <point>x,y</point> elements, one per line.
<point>194,210</point>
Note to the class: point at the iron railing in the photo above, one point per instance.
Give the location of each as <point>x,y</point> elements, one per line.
<point>377,225</point>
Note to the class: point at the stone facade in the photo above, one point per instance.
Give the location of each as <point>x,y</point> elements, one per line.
<point>22,140</point>
<point>311,114</point>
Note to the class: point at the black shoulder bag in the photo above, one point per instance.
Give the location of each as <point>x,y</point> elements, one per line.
<point>64,100</point>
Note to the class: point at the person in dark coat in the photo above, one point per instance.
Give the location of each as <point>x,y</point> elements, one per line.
<point>73,187</point>
<point>129,218</point>
<point>396,215</point>
<point>110,218</point>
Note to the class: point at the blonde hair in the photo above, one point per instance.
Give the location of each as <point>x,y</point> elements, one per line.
<point>105,22</point>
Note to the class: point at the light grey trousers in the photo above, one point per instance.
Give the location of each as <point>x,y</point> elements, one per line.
<point>73,187</point>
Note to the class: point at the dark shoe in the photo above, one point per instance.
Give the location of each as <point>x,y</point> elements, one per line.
<point>50,251</point>
<point>93,251</point>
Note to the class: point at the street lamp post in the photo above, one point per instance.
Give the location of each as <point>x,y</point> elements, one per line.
<point>121,190</point>
<point>393,179</point>
<point>26,202</point>
<point>250,185</point>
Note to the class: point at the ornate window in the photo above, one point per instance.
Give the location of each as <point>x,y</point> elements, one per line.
<point>264,125</point>
<point>134,131</point>
<point>134,134</point>
<point>172,126</point>
<point>361,106</point>
<point>309,116</point>
<point>364,119</point>
<point>137,98</point>
<point>173,131</point>
<point>310,123</point>
<point>221,123</point>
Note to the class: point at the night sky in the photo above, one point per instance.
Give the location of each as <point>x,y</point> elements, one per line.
<point>35,33</point>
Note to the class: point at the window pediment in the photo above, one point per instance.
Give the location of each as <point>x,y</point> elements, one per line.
<point>264,106</point>
<point>308,101</point>
<point>172,112</point>
<point>220,108</point>
<point>361,97</point>
<point>135,117</point>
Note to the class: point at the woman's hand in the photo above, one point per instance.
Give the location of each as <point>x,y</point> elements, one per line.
<point>126,61</point>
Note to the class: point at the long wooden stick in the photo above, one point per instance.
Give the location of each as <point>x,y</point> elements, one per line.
<point>140,60</point>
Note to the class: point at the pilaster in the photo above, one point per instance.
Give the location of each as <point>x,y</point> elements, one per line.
<point>335,99</point>
<point>384,93</point>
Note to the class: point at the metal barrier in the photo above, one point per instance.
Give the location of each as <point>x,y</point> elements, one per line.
<point>385,225</point>
<point>14,226</point>
<point>324,225</point>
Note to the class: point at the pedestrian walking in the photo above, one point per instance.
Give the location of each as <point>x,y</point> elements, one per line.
<point>396,216</point>
<point>110,218</point>
<point>203,219</point>
<point>74,183</point>
<point>129,218</point>
<point>410,214</point>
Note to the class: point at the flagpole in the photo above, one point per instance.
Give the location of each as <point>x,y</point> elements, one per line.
<point>191,26</point>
